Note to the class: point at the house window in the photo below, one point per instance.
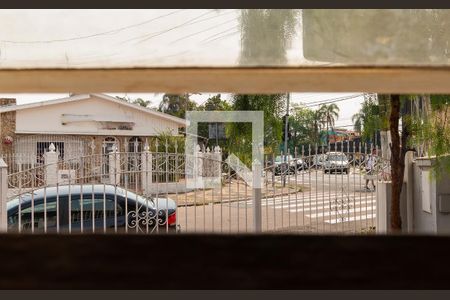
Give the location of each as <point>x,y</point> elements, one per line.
<point>108,144</point>
<point>216,131</point>
<point>100,208</point>
<point>117,126</point>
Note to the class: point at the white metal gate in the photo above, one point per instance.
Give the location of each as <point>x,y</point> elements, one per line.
<point>314,190</point>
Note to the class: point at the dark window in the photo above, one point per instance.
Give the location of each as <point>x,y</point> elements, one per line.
<point>39,216</point>
<point>102,206</point>
<point>216,130</point>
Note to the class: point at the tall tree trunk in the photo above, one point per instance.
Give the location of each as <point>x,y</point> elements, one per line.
<point>397,166</point>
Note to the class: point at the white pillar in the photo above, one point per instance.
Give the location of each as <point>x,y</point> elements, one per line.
<point>384,189</point>
<point>3,196</point>
<point>114,166</point>
<point>217,157</point>
<point>147,170</point>
<point>257,195</point>
<point>385,137</point>
<point>198,168</point>
<point>51,166</point>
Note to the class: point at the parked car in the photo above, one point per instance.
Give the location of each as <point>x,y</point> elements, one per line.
<point>336,161</point>
<point>99,207</point>
<point>281,164</point>
<point>318,161</point>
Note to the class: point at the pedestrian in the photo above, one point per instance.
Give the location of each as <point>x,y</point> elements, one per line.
<point>370,169</point>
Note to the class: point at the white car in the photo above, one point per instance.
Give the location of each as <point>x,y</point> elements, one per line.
<point>281,163</point>
<point>336,161</point>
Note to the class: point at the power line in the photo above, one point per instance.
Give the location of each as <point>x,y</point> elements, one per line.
<point>222,37</point>
<point>328,101</point>
<point>205,30</point>
<point>208,39</point>
<point>147,37</point>
<point>93,35</point>
<point>333,100</point>
<point>190,22</point>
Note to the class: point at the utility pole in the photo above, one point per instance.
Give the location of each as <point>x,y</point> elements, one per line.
<point>286,127</point>
<point>284,160</point>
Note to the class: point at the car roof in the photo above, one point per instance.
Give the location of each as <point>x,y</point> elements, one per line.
<point>64,190</point>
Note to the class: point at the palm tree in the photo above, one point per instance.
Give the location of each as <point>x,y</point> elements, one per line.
<point>358,121</point>
<point>176,105</point>
<point>329,115</point>
<point>142,102</point>
<point>317,125</point>
<point>368,121</point>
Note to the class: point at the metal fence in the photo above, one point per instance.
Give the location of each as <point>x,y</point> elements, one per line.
<point>312,190</point>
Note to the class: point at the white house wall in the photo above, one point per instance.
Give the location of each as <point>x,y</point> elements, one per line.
<point>47,119</point>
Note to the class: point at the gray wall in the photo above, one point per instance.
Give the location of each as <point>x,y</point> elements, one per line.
<point>436,221</point>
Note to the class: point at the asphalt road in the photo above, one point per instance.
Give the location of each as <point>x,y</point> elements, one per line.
<point>329,203</point>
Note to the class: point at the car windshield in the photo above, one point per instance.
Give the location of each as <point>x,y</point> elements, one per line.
<point>337,157</point>
<point>286,158</point>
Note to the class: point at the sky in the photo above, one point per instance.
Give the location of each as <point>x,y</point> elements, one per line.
<point>347,107</point>
<point>124,38</point>
<point>138,38</point>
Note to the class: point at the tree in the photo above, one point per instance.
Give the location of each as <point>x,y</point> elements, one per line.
<point>138,101</point>
<point>266,34</point>
<point>432,130</point>
<point>367,121</point>
<point>303,126</point>
<point>273,107</point>
<point>142,102</point>
<point>214,103</point>
<point>176,105</point>
<point>265,37</point>
<point>329,113</point>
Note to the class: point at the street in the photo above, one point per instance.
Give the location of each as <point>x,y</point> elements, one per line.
<point>329,203</point>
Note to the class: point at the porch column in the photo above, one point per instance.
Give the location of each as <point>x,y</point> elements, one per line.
<point>199,171</point>
<point>114,166</point>
<point>147,170</point>
<point>51,166</point>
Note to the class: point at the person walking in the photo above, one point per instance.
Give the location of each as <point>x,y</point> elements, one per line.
<point>370,170</point>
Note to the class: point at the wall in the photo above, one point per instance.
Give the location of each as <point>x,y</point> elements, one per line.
<point>424,222</point>
<point>435,221</point>
<point>47,119</point>
<point>7,125</point>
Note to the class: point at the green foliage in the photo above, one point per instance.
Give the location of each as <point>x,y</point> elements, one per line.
<point>138,101</point>
<point>328,113</point>
<point>176,105</point>
<point>304,126</point>
<point>369,119</point>
<point>175,143</point>
<point>214,103</point>
<point>434,132</point>
<point>239,135</point>
<point>266,35</point>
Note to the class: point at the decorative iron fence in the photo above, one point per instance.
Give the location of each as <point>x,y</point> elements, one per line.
<point>149,192</point>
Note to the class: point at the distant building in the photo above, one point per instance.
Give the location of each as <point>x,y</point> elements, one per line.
<point>216,131</point>
<point>78,125</point>
<point>337,135</point>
